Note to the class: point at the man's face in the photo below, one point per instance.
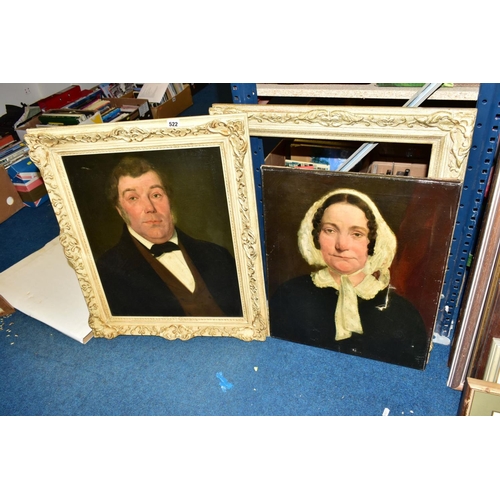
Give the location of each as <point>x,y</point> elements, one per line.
<point>145,207</point>
<point>343,238</point>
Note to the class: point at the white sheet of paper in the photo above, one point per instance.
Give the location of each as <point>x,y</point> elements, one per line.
<point>45,287</point>
<point>153,92</point>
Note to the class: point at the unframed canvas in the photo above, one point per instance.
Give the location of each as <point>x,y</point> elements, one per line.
<point>421,214</point>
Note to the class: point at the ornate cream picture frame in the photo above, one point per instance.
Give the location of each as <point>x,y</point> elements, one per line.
<point>447,130</point>
<point>209,162</point>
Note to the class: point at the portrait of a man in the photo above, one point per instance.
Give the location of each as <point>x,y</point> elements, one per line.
<point>351,293</point>
<point>147,264</point>
<point>159,220</point>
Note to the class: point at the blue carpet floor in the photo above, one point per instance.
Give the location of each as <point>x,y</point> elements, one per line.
<point>47,373</point>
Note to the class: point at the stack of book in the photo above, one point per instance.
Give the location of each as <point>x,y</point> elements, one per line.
<point>65,116</point>
<point>159,93</point>
<point>317,154</point>
<point>12,152</point>
<point>116,90</point>
<point>90,106</point>
<point>94,107</point>
<point>23,173</point>
<point>107,107</point>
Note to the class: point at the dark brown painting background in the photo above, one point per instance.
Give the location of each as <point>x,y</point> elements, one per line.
<point>421,213</point>
<point>199,197</point>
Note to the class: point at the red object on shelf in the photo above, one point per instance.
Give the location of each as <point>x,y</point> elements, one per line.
<point>62,98</point>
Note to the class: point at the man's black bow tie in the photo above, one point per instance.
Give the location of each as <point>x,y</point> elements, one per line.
<point>161,248</point>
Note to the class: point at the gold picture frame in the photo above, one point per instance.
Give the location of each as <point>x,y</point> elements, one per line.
<point>210,162</point>
<point>447,130</point>
<point>480,399</point>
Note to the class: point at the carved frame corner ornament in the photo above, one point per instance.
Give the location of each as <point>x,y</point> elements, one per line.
<point>49,147</point>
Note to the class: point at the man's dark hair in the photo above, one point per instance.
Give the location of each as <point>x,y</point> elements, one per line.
<point>133,166</point>
<point>352,200</point>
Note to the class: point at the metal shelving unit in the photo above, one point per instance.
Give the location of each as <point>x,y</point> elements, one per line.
<point>479,167</point>
<point>480,163</point>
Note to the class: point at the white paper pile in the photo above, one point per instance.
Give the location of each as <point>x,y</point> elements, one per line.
<point>45,287</point>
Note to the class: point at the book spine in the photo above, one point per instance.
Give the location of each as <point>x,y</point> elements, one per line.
<point>12,149</point>
<point>87,99</point>
<point>120,117</point>
<point>9,160</point>
<point>107,117</point>
<point>64,119</point>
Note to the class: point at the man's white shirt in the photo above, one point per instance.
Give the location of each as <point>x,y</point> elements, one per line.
<point>173,261</point>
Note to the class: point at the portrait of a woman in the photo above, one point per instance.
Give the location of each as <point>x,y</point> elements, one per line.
<point>347,304</point>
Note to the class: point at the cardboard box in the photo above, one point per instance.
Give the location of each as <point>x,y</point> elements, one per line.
<point>33,198</point>
<point>175,106</point>
<point>405,153</point>
<point>128,95</point>
<point>278,154</point>
<point>392,159</point>
<point>31,123</point>
<point>398,168</point>
<point>10,200</point>
<point>28,182</point>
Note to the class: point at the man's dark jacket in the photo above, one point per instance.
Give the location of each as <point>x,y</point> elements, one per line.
<point>133,288</point>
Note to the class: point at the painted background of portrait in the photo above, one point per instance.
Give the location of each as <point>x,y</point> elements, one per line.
<point>421,212</point>
<point>199,196</point>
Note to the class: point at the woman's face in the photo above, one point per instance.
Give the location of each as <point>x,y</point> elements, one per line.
<point>343,238</point>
